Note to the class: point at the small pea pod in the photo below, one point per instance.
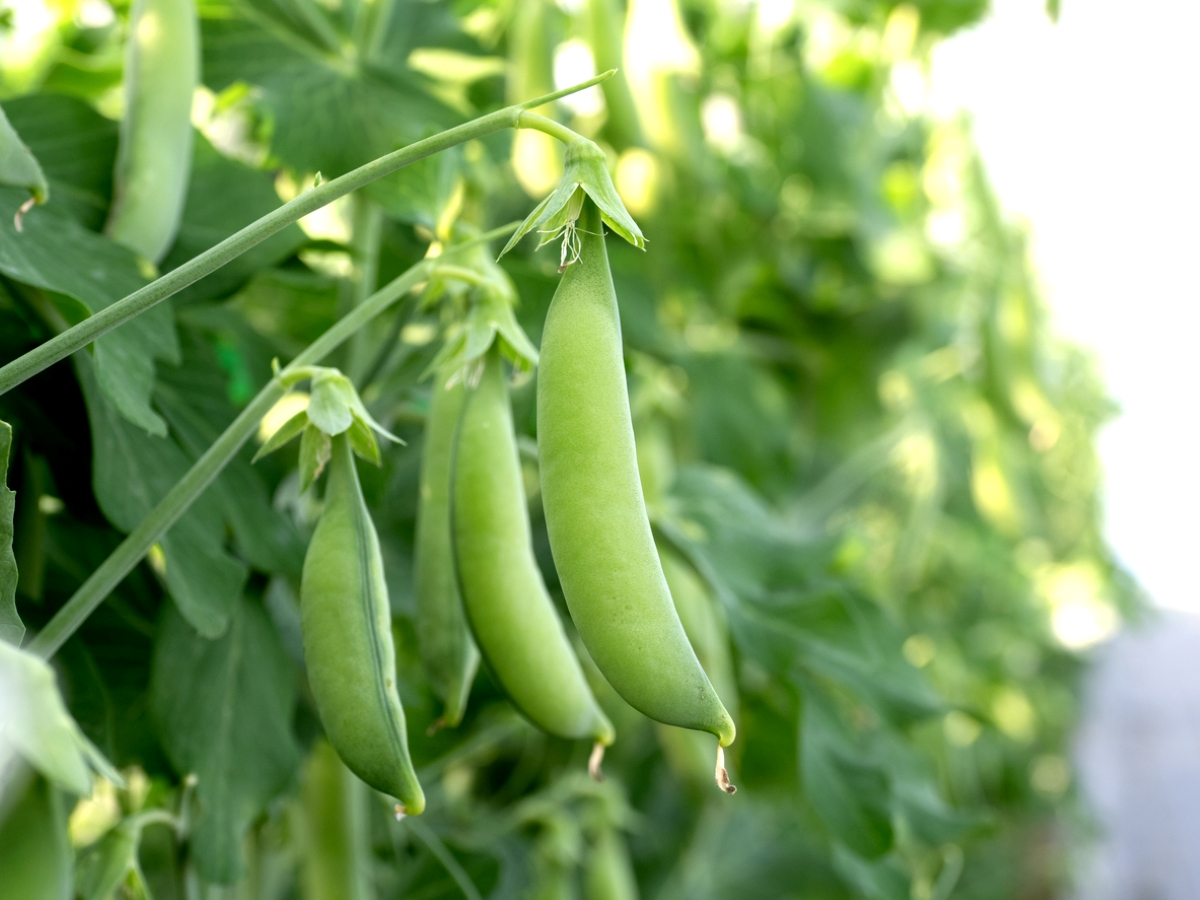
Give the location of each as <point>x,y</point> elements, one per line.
<point>346,624</point>
<point>512,617</point>
<point>607,871</point>
<point>447,650</point>
<point>595,512</point>
<point>154,157</point>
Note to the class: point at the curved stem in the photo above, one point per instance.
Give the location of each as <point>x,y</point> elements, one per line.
<point>139,541</point>
<point>193,270</point>
<point>548,126</point>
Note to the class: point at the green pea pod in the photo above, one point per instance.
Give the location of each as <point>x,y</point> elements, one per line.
<point>346,624</point>
<point>154,157</point>
<point>512,617</point>
<point>447,650</point>
<point>607,871</point>
<point>35,853</point>
<point>596,514</point>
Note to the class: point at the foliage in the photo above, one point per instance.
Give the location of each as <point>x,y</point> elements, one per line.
<point>854,425</point>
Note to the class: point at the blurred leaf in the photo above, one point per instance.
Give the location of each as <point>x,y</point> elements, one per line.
<point>110,863</point>
<point>223,709</point>
<point>872,879</point>
<point>18,167</point>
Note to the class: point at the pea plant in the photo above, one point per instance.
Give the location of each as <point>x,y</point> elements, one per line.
<point>429,468</point>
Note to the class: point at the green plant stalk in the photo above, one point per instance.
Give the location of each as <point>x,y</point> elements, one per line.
<point>63,345</point>
<point>139,541</point>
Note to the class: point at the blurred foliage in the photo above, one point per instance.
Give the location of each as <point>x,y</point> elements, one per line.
<point>862,445</point>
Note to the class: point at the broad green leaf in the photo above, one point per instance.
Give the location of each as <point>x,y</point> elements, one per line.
<point>57,254</point>
<point>35,851</point>
<point>38,728</point>
<point>131,472</point>
<point>77,148</point>
<point>223,709</point>
<point>313,99</point>
<point>849,793</point>
<point>11,627</point>
<point>879,879</point>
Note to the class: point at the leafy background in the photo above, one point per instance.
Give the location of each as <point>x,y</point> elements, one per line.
<point>854,422</point>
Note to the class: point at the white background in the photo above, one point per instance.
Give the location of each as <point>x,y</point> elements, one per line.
<point>1089,131</point>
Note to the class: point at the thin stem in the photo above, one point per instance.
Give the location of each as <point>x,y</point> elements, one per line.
<point>548,126</point>
<point>139,541</point>
<point>193,270</point>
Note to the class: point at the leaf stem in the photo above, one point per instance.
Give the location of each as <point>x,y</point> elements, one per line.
<point>104,320</point>
<point>202,473</point>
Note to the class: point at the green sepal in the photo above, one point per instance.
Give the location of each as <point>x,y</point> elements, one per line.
<point>110,863</point>
<point>329,404</point>
<point>283,434</point>
<point>490,318</point>
<point>362,440</point>
<point>586,170</point>
<point>316,447</point>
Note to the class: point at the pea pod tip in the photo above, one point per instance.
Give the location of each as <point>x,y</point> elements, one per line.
<point>722,775</point>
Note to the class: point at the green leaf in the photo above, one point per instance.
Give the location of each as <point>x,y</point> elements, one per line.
<point>57,254</point>
<point>316,447</point>
<point>223,709</point>
<point>131,472</point>
<point>38,727</point>
<point>11,627</point>
<point>18,167</point>
<point>871,879</point>
<point>849,793</point>
<point>77,148</point>
<point>35,850</point>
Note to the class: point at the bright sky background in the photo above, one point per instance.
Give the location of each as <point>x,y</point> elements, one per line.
<point>1089,129</point>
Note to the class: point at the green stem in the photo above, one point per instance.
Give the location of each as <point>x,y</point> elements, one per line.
<point>548,126</point>
<point>103,321</point>
<point>139,541</point>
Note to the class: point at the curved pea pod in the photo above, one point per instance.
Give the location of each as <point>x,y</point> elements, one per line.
<point>607,871</point>
<point>35,853</point>
<point>512,617</point>
<point>154,157</point>
<point>447,650</point>
<point>348,649</point>
<point>595,512</point>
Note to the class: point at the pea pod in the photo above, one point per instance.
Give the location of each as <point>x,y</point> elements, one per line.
<point>595,512</point>
<point>512,617</point>
<point>35,853</point>
<point>154,157</point>
<point>346,624</point>
<point>337,849</point>
<point>447,650</point>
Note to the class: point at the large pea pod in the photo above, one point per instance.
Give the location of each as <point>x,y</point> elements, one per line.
<point>346,624</point>
<point>512,616</point>
<point>447,650</point>
<point>154,157</point>
<point>595,512</point>
<point>607,871</point>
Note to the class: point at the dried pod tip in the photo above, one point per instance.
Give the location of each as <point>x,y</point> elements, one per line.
<point>399,810</point>
<point>594,761</point>
<point>722,775</point>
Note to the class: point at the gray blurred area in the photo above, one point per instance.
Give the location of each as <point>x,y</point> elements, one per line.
<point>1138,754</point>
